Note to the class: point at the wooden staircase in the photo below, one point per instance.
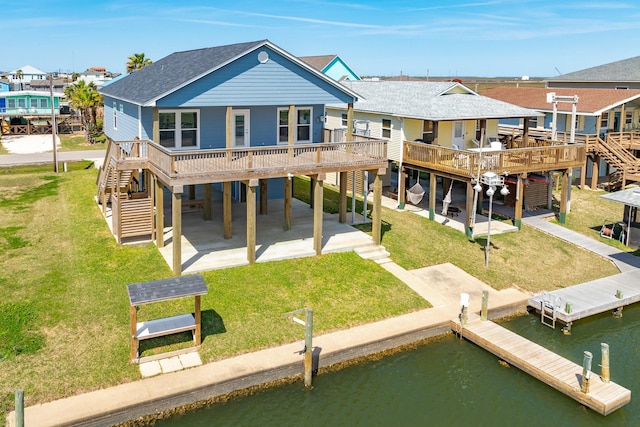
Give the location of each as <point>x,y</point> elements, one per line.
<point>627,166</point>
<point>132,211</point>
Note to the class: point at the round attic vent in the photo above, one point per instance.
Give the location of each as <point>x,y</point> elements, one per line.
<point>263,57</point>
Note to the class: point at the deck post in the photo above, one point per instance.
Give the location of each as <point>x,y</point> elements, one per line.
<point>226,208</point>
<point>595,172</point>
<point>376,211</point>
<point>432,196</point>
<point>586,371</point>
<point>159,213</point>
<point>564,196</point>
<point>468,223</point>
<point>517,214</point>
<point>485,305</point>
<point>342,215</point>
<point>288,194</point>
<point>251,220</point>
<point>402,197</point>
<point>317,213</point>
<point>156,125</point>
<point>606,375</point>
<point>207,195</point>
<point>264,192</point>
<point>176,237</point>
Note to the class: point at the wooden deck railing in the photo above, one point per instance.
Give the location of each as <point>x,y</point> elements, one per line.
<point>31,129</point>
<point>248,163</point>
<point>466,163</point>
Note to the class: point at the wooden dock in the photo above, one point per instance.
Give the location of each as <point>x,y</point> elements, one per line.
<point>590,298</point>
<point>554,370</point>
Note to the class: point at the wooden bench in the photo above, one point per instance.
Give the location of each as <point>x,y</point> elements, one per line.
<point>165,290</point>
<point>193,205</point>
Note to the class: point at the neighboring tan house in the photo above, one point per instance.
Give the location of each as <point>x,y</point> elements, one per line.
<point>448,130</point>
<point>623,74</point>
<point>606,120</point>
<point>332,66</point>
<point>240,119</point>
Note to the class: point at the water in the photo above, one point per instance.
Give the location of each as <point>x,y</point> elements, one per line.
<point>447,383</point>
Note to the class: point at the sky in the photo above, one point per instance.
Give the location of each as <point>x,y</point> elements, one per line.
<point>441,38</point>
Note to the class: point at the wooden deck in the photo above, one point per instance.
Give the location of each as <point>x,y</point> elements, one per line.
<point>188,167</point>
<point>466,163</point>
<point>554,370</point>
<point>590,298</point>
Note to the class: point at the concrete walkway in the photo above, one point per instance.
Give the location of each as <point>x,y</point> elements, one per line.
<point>97,156</point>
<point>623,260</point>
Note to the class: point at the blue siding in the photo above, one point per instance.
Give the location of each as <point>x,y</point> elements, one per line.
<point>248,82</point>
<point>213,127</point>
<point>338,69</point>
<point>5,87</point>
<point>127,128</point>
<point>147,123</point>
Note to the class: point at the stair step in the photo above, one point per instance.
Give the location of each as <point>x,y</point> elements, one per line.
<point>372,252</point>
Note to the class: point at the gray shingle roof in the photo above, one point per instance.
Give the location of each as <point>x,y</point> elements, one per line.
<point>626,70</point>
<point>174,71</point>
<point>431,101</point>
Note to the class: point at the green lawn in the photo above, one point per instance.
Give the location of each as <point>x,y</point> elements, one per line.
<point>64,315</point>
<point>65,312</point>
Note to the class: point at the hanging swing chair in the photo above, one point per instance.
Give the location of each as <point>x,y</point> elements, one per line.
<point>447,200</point>
<point>415,193</point>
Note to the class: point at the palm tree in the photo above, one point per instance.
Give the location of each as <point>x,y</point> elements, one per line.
<point>86,99</point>
<point>137,61</point>
<point>19,76</point>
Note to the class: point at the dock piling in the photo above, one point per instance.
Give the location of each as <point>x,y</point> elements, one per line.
<point>586,371</point>
<point>464,303</point>
<point>605,374</point>
<point>19,407</point>
<point>485,305</point>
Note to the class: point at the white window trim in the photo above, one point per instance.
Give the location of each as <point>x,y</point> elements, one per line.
<point>178,135</point>
<point>295,111</point>
<point>382,128</point>
<point>115,116</point>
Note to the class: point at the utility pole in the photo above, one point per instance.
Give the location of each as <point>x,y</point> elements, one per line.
<point>54,126</point>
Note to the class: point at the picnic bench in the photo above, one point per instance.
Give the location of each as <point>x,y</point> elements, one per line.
<point>164,290</point>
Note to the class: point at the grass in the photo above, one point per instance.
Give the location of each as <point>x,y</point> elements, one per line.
<point>77,141</point>
<point>64,313</point>
<point>65,322</point>
<point>530,260</point>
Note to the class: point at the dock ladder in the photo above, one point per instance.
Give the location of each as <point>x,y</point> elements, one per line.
<point>548,306</point>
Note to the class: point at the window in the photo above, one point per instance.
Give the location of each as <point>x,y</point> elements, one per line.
<point>427,131</point>
<point>303,131</point>
<point>344,120</point>
<point>115,116</point>
<point>604,120</point>
<point>179,129</point>
<point>16,103</point>
<point>533,122</point>
<point>628,119</point>
<point>386,128</point>
<point>39,103</point>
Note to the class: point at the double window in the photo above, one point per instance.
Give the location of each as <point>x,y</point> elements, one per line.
<point>303,128</point>
<point>386,128</point>
<point>179,129</point>
<point>16,103</point>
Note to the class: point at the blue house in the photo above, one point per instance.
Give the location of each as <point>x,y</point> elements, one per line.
<point>241,119</point>
<point>332,66</point>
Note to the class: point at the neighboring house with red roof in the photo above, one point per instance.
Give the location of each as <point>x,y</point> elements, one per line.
<point>606,121</point>
<point>597,110</point>
<point>332,66</point>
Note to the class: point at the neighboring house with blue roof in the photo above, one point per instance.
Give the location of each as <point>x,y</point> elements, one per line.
<point>332,66</point>
<point>241,119</point>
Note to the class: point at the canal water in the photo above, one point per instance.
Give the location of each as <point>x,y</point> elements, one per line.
<point>450,382</point>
